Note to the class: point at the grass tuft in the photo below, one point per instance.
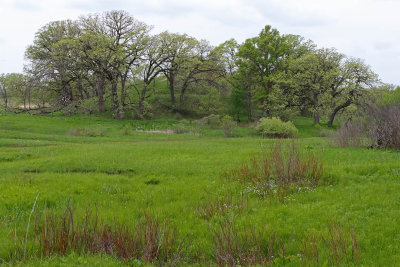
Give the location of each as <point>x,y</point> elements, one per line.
<point>282,171</point>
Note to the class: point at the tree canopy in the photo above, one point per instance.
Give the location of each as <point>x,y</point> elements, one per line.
<point>112,62</point>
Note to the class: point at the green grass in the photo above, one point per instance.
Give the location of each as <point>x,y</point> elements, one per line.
<point>169,175</point>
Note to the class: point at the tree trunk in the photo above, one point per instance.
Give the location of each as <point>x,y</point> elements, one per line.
<point>100,94</point>
<point>171,86</point>
<point>183,90</point>
<point>29,98</point>
<point>141,107</point>
<point>316,117</point>
<point>142,98</point>
<point>5,99</point>
<point>114,99</point>
<point>337,109</point>
<point>123,97</point>
<point>331,118</point>
<point>316,111</point>
<point>80,89</point>
<point>249,106</point>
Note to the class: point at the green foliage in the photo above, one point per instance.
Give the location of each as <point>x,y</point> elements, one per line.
<point>274,127</point>
<point>211,120</point>
<point>228,126</point>
<point>79,65</point>
<point>390,97</point>
<point>181,128</point>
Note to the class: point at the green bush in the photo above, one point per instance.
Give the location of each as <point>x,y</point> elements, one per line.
<point>228,126</point>
<point>127,130</point>
<point>212,121</point>
<point>274,127</point>
<point>180,128</point>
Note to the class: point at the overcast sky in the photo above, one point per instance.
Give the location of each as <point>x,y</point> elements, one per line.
<point>368,29</point>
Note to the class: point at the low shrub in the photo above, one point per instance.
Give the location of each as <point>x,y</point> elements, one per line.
<point>211,120</point>
<point>280,172</point>
<point>127,130</point>
<point>274,127</point>
<point>87,132</point>
<point>228,126</point>
<point>181,128</point>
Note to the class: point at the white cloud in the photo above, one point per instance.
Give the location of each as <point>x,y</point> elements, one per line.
<point>368,29</point>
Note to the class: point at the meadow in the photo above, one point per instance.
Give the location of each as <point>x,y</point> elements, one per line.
<point>123,173</point>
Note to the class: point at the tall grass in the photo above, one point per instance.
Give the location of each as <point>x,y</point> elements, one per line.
<point>149,241</point>
<point>221,205</point>
<point>349,134</point>
<point>246,248</point>
<point>336,246</point>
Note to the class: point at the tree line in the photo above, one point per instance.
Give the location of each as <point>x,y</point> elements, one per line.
<point>112,62</point>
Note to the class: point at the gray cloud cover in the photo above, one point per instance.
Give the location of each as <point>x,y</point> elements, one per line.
<point>369,30</point>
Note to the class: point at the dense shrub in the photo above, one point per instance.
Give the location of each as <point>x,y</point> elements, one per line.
<point>379,128</point>
<point>384,128</point>
<point>274,127</point>
<point>228,126</point>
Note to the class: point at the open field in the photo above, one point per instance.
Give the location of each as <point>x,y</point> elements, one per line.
<point>121,174</point>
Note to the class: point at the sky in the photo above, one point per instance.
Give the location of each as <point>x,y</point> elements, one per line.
<point>366,29</point>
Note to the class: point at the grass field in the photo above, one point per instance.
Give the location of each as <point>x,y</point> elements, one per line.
<point>122,174</point>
